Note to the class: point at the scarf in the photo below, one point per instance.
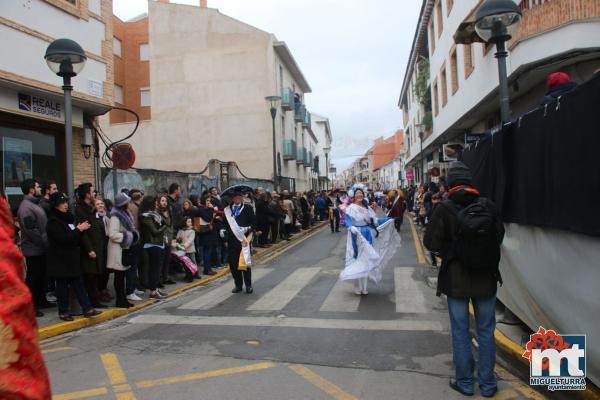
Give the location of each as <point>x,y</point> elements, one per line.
<point>156,217</point>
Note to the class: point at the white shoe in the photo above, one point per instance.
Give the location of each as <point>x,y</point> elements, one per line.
<point>365,292</point>
<point>357,292</point>
<point>139,292</point>
<point>134,297</point>
<point>50,297</point>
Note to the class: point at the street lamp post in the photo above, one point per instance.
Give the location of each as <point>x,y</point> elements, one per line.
<point>326,150</point>
<point>66,59</point>
<point>274,104</point>
<point>495,22</point>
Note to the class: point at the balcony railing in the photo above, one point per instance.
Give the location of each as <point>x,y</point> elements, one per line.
<point>287,99</point>
<point>289,149</point>
<point>305,157</point>
<point>300,155</point>
<point>307,119</point>
<point>309,159</point>
<point>300,110</point>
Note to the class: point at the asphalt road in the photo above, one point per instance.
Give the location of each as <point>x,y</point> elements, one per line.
<point>300,335</point>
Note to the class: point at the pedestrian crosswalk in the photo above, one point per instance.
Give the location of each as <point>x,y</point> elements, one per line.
<point>408,292</point>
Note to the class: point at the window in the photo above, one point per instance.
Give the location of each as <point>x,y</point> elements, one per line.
<point>444,84</point>
<point>453,70</point>
<point>432,36</point>
<point>74,2</point>
<point>145,97</point>
<point>119,94</point>
<point>435,98</point>
<point>449,4</point>
<point>440,22</point>
<point>280,78</point>
<point>468,60</point>
<point>144,52</point>
<point>116,46</point>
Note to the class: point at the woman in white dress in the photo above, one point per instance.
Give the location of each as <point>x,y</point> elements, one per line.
<point>372,242</point>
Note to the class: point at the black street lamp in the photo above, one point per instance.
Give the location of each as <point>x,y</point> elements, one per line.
<point>66,59</point>
<point>495,22</point>
<point>327,150</point>
<point>274,104</point>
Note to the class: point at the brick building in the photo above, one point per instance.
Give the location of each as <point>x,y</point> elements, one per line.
<point>31,98</point>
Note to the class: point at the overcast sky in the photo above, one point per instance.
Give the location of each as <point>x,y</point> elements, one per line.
<point>352,52</point>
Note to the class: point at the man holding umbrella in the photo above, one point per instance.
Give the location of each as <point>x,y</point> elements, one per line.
<point>239,223</point>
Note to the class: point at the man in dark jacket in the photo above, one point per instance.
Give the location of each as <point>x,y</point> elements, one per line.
<point>462,285</point>
<point>34,242</point>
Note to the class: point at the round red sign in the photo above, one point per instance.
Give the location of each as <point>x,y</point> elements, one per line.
<point>123,156</point>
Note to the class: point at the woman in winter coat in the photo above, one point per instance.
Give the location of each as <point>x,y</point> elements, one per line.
<point>103,223</point>
<point>122,235</point>
<point>152,233</point>
<point>165,212</point>
<point>63,256</point>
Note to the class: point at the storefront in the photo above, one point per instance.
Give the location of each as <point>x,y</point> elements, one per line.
<point>32,139</point>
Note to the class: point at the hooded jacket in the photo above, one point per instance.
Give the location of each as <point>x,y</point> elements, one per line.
<point>455,280</point>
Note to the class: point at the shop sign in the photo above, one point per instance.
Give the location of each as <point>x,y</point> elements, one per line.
<point>18,163</point>
<point>410,175</point>
<point>471,138</point>
<point>40,105</point>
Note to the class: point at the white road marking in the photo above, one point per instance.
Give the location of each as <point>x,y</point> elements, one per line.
<point>276,322</point>
<point>409,296</point>
<point>341,298</point>
<point>278,297</point>
<point>218,295</point>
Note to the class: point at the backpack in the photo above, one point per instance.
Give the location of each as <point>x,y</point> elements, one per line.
<point>476,242</point>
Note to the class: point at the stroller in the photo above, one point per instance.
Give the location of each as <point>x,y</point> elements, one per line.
<point>179,262</point>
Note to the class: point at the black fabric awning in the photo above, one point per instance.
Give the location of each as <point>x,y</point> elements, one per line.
<point>542,169</point>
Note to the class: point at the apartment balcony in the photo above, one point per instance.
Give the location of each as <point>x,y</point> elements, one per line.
<point>307,120</point>
<point>289,149</point>
<point>309,159</point>
<point>300,111</point>
<point>287,99</point>
<point>540,18</point>
<point>300,155</point>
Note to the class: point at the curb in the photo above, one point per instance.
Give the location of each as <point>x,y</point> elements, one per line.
<point>107,315</point>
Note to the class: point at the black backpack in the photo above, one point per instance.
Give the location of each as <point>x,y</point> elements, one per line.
<point>477,240</point>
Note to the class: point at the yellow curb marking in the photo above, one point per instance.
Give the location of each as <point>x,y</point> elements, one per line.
<point>53,342</point>
<point>418,245</point>
<point>116,376</point>
<point>203,375</point>
<point>82,394</point>
<point>505,394</point>
<point>55,350</point>
<point>320,382</point>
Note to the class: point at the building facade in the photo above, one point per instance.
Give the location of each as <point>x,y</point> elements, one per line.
<point>31,98</point>
<point>200,93</point>
<point>450,90</point>
<point>322,131</point>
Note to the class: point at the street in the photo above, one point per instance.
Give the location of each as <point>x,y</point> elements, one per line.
<point>302,334</point>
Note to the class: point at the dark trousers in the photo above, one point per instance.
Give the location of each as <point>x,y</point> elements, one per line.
<point>155,257</point>
<point>322,214</point>
<point>398,224</point>
<point>239,277</point>
<point>90,282</point>
<point>334,221</point>
<point>120,287</point>
<point>166,264</point>
<point>274,231</point>
<point>62,294</point>
<point>132,280</point>
<point>207,253</point>
<point>36,279</point>
<point>264,236</point>
<point>103,281</point>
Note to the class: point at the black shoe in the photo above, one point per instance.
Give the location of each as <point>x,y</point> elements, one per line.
<point>99,305</point>
<point>65,317</point>
<point>169,282</point>
<point>124,304</point>
<point>490,394</point>
<point>92,313</point>
<point>236,290</point>
<point>454,386</point>
<point>209,272</point>
<point>249,289</point>
<point>160,286</point>
<point>39,314</point>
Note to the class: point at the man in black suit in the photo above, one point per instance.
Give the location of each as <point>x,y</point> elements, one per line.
<point>246,222</point>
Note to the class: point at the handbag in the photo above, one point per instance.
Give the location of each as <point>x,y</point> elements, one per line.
<point>126,257</point>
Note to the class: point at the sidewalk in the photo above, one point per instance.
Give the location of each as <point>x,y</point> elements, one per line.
<point>50,325</point>
<point>510,339</point>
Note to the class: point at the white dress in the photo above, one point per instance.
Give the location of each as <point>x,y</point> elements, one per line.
<point>368,252</point>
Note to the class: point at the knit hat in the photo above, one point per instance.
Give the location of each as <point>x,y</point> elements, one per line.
<point>57,199</point>
<point>557,79</point>
<point>458,174</point>
<point>122,199</point>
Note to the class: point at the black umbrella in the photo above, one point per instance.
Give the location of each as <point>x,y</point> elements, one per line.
<point>237,190</point>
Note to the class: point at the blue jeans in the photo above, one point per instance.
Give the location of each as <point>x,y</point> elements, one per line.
<point>485,320</point>
<point>207,253</point>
